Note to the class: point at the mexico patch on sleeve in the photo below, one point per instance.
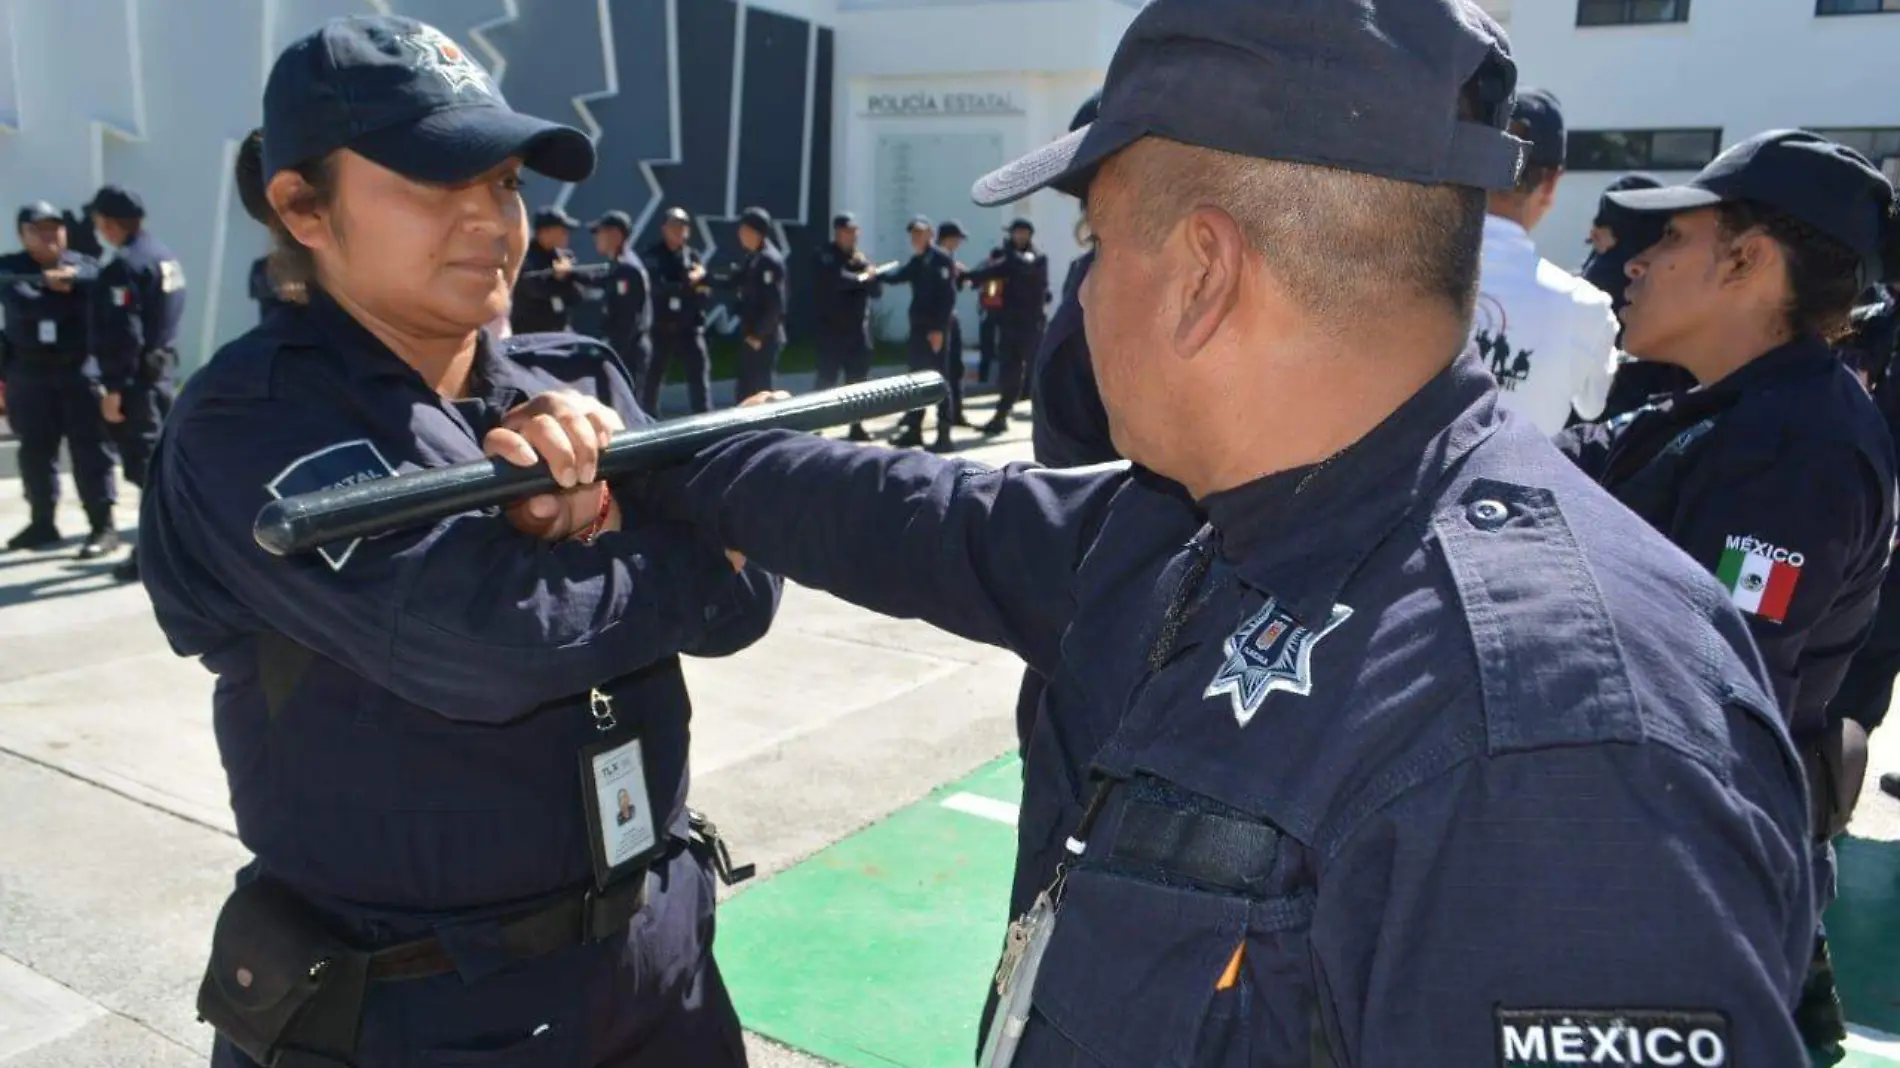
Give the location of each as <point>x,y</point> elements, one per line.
<point>346,463</point>
<point>1669,1038</point>
<point>1760,577</point>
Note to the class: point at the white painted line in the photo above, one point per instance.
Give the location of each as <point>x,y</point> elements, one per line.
<point>1868,1040</point>
<point>987,807</point>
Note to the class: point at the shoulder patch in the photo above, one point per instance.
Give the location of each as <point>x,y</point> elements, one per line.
<point>621,287</point>
<point>768,276</point>
<point>347,463</point>
<point>944,271</point>
<point>171,276</point>
<point>1760,577</point>
<point>1548,1038</point>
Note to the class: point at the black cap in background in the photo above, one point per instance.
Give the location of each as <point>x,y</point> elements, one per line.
<point>757,219</point>
<point>37,212</point>
<point>1539,119</point>
<point>618,220</point>
<point>950,228</point>
<point>553,216</point>
<point>844,219</point>
<point>917,222</point>
<point>116,202</point>
<point>678,215</point>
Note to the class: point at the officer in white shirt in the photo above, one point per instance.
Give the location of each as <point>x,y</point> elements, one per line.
<point>1548,336</point>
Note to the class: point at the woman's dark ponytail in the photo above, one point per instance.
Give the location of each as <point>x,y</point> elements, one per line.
<point>290,261</point>
<point>249,175</point>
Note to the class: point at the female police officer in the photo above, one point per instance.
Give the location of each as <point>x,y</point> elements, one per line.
<point>427,734</point>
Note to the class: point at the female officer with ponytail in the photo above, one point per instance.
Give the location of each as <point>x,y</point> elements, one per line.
<point>458,753</point>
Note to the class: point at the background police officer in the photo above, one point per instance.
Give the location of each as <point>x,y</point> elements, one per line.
<point>547,292</point>
<point>843,295</point>
<point>48,396</point>
<point>1778,472</point>
<point>1617,236</point>
<point>135,309</point>
<point>762,288</point>
<point>950,237</point>
<point>932,277</point>
<point>627,293</point>
<point>678,275</point>
<point>1024,272</point>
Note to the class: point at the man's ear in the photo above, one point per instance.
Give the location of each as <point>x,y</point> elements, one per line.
<point>293,198</point>
<point>1216,253</point>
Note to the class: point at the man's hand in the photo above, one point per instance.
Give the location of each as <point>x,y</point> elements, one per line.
<point>60,279</point>
<point>110,410</point>
<point>754,343</point>
<point>696,273</point>
<point>935,337</point>
<point>567,430</point>
<point>562,268</point>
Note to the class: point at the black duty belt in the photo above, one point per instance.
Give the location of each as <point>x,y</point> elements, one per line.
<point>573,920</point>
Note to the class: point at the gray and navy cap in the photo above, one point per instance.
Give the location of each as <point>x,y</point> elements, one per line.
<point>844,220</point>
<point>617,220</point>
<point>950,228</point>
<point>37,212</point>
<point>1087,112</point>
<point>1371,86</point>
<point>757,219</point>
<point>918,222</point>
<point>1539,119</point>
<point>1829,186</point>
<point>678,215</point>
<point>402,94</point>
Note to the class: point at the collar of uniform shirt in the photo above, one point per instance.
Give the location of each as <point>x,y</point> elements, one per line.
<point>1790,359</point>
<point>1299,535</point>
<point>366,357</point>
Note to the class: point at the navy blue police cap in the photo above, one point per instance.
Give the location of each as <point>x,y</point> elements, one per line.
<point>553,216</point>
<point>756,218</point>
<point>950,228</point>
<point>1828,186</point>
<point>116,202</point>
<point>917,222</point>
<point>1607,210</point>
<point>844,219</point>
<point>1087,112</point>
<point>1539,119</point>
<point>678,215</point>
<point>1020,222</point>
<point>619,220</point>
<point>1371,86</point>
<point>402,94</point>
<point>37,212</point>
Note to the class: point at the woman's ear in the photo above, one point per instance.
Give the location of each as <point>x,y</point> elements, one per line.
<point>295,204</point>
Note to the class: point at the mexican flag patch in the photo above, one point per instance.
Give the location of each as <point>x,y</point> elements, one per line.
<point>1760,577</point>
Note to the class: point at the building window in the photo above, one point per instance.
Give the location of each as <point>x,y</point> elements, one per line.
<point>1633,12</point>
<point>1642,150</point>
<point>1874,142</point>
<point>1855,7</point>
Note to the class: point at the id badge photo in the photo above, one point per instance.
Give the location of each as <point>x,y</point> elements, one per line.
<point>622,833</point>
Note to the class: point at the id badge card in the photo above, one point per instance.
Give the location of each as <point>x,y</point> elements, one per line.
<point>622,833</point>
<point>49,332</point>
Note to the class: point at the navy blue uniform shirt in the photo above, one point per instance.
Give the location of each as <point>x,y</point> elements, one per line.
<point>762,294</point>
<point>137,304</point>
<point>428,758</point>
<point>629,299</point>
<point>1779,479</point>
<point>41,322</point>
<point>932,278</point>
<point>1439,683</point>
<point>1068,425</point>
<point>262,291</point>
<point>1025,276</point>
<point>843,301</point>
<point>678,305</point>
<point>544,305</point>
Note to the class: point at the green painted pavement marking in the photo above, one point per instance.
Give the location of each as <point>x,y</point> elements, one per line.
<point>876,951</point>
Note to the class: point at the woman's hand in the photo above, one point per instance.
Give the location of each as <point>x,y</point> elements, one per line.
<point>568,430</point>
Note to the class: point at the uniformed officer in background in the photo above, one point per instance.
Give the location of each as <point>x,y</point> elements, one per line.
<point>547,292</point>
<point>989,301</point>
<point>678,275</point>
<point>1618,236</point>
<point>932,277</point>
<point>1414,704</point>
<point>1548,336</point>
<point>134,314</point>
<point>842,296</point>
<point>1777,473</point>
<point>1024,272</point>
<point>627,293</point>
<point>950,238</point>
<point>48,397</point>
<point>427,733</point>
<point>762,288</point>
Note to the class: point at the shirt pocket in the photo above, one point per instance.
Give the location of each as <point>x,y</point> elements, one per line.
<point>1140,974</point>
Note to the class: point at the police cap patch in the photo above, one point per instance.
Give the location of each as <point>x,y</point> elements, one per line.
<point>1672,1038</point>
<point>346,463</point>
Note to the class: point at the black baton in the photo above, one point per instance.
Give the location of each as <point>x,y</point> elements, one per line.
<point>303,522</point>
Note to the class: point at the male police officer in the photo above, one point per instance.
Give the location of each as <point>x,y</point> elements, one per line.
<point>547,292</point>
<point>134,313</point>
<point>1024,272</point>
<point>950,238</point>
<point>843,298</point>
<point>679,314</point>
<point>932,277</point>
<point>1548,336</point>
<point>1398,761</point>
<point>1778,473</point>
<point>1617,236</point>
<point>47,393</point>
<point>627,293</point>
<point>762,298</point>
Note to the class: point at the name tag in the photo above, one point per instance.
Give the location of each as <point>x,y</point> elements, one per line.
<point>672,304</point>
<point>557,304</point>
<point>619,811</point>
<point>49,332</point>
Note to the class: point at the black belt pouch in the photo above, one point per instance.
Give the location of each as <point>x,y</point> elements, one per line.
<point>280,985</point>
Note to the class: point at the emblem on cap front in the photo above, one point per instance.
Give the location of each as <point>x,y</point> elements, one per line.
<point>435,52</point>
<point>1269,652</point>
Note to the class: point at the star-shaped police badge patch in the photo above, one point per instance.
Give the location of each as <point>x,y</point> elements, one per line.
<point>1269,652</point>
<point>435,52</point>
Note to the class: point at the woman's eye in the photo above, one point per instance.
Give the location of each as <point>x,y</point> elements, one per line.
<point>512,183</point>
